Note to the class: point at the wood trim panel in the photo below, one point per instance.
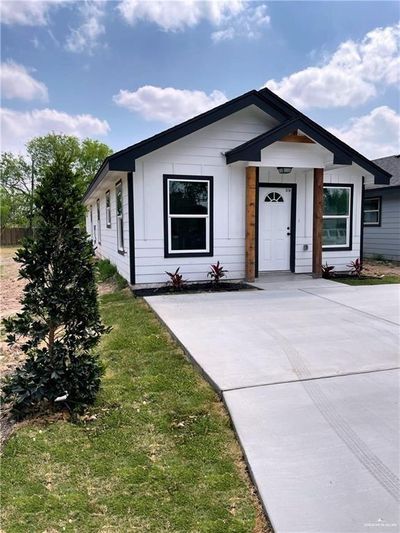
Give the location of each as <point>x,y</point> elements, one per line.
<point>251,196</point>
<point>318,210</point>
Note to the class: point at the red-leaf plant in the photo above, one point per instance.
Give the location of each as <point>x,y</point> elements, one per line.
<point>217,272</point>
<point>176,280</point>
<point>327,271</point>
<point>356,267</point>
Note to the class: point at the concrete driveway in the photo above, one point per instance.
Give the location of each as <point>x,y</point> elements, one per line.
<point>309,371</point>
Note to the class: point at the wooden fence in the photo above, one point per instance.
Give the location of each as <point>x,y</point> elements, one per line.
<point>13,236</point>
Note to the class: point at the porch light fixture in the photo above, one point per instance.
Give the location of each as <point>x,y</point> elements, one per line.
<point>285,170</point>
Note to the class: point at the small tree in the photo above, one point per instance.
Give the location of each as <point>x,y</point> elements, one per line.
<point>59,324</point>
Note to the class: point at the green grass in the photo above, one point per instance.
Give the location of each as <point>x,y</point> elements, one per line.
<point>387,279</point>
<point>106,271</point>
<point>158,455</point>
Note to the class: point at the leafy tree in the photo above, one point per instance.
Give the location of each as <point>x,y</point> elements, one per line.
<point>17,186</point>
<point>20,175</point>
<point>85,156</point>
<point>59,324</point>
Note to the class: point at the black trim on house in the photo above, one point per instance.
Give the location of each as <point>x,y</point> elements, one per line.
<point>121,251</point>
<point>183,177</point>
<point>108,192</point>
<point>251,150</point>
<point>131,225</point>
<point>350,246</point>
<point>293,207</point>
<point>373,224</point>
<point>267,101</point>
<point>362,222</point>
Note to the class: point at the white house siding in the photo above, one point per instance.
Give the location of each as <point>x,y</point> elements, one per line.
<point>108,245</point>
<point>200,154</point>
<point>384,240</point>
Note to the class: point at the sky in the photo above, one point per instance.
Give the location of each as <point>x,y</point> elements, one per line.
<point>122,70</point>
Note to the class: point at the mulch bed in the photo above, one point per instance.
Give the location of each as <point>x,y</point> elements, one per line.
<point>192,288</point>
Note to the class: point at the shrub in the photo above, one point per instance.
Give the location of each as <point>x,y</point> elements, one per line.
<point>327,271</point>
<point>356,267</point>
<point>176,280</point>
<point>217,272</point>
<point>59,324</point>
<point>106,271</point>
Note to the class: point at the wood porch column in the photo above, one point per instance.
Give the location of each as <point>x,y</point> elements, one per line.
<point>251,186</point>
<point>318,221</point>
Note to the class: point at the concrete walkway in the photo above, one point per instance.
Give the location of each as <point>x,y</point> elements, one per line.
<point>308,370</point>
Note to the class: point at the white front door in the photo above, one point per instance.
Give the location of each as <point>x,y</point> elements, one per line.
<point>274,228</point>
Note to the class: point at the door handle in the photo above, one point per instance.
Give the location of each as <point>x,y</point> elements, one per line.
<point>288,233</point>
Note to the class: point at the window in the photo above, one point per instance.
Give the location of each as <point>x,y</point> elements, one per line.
<point>98,222</point>
<point>372,211</point>
<point>91,224</point>
<point>274,197</point>
<point>108,209</point>
<point>188,215</point>
<point>120,217</point>
<point>337,217</point>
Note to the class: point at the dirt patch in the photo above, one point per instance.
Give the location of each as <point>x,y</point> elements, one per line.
<point>11,285</point>
<point>379,268</point>
<point>189,288</point>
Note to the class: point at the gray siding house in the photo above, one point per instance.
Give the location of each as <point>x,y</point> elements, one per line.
<point>382,213</point>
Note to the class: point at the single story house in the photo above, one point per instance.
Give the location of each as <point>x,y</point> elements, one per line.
<point>253,183</point>
<point>382,213</point>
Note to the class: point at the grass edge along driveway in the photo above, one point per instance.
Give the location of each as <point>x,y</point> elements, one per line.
<point>156,452</point>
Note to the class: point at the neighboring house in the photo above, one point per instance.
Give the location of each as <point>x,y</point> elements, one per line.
<point>252,183</point>
<point>382,213</point>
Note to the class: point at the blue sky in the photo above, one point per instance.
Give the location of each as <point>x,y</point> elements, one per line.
<point>121,71</point>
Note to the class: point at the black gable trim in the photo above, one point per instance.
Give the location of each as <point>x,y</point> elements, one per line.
<point>251,150</point>
<point>381,176</point>
<point>124,160</point>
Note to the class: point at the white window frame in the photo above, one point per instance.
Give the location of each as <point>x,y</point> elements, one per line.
<point>170,216</point>
<point>108,209</point>
<point>119,217</point>
<point>98,211</point>
<point>378,211</point>
<point>346,217</point>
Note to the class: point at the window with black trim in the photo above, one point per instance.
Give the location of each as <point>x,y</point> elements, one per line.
<point>98,222</point>
<point>188,215</point>
<point>337,217</point>
<point>372,211</point>
<point>274,197</point>
<point>108,209</point>
<point>120,216</point>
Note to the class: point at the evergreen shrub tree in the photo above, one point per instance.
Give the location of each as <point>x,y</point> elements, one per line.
<point>59,324</point>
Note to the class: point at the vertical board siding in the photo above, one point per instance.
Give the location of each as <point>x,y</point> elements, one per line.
<point>384,240</point>
<point>202,153</point>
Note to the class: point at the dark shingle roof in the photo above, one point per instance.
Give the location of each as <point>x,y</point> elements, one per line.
<point>392,165</point>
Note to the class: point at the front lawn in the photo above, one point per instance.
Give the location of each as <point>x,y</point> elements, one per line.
<point>156,453</point>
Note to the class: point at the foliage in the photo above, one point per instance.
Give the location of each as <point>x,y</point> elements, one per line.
<point>85,156</point>
<point>356,267</point>
<point>59,324</point>
<point>19,176</point>
<point>155,453</point>
<point>327,271</point>
<point>176,280</point>
<point>106,271</point>
<point>16,190</point>
<point>217,272</point>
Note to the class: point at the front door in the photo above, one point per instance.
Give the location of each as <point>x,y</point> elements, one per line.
<point>274,228</point>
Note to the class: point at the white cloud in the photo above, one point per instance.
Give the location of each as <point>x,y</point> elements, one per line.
<point>351,76</point>
<point>374,135</point>
<point>231,17</point>
<point>27,12</point>
<point>248,24</point>
<point>87,36</point>
<point>18,127</point>
<point>168,105</point>
<point>16,82</point>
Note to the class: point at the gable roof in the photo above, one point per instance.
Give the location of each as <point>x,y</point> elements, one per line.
<point>266,100</point>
